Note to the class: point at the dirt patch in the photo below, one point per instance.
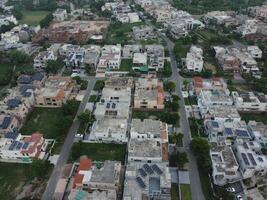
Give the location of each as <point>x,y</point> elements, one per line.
<point>209,66</point>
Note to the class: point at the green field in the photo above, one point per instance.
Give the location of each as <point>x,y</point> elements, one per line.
<point>32,17</point>
<point>49,121</point>
<point>185,192</point>
<point>126,65</point>
<point>5,73</point>
<point>255,117</point>
<point>99,151</point>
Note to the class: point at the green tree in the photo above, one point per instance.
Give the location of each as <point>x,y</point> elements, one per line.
<point>99,85</point>
<point>182,159</point>
<point>201,148</point>
<point>53,66</point>
<point>169,86</point>
<point>70,107</point>
<point>46,21</point>
<point>18,57</point>
<point>86,117</point>
<point>39,168</point>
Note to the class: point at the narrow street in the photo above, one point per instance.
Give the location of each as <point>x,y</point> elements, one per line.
<point>66,148</point>
<point>196,189</point>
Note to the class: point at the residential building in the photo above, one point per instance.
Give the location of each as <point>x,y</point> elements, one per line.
<point>110,59</point>
<point>215,83</point>
<point>128,51</point>
<point>41,59</point>
<point>96,194</point>
<point>225,18</point>
<point>131,17</point>
<point>104,176</point>
<point>8,123</point>
<point>60,14</point>
<point>250,101</point>
<point>36,80</point>
<point>147,181</point>
<point>143,33</point>
<point>18,103</point>
<point>224,164</point>
<point>260,12</point>
<point>149,129</point>
<point>147,150</point>
<point>57,90</point>
<point>109,130</point>
<point>75,60</point>
<point>194,59</point>
<point>254,51</point>
<point>217,98</point>
<point>258,132</point>
<point>139,60</point>
<point>91,55</point>
<point>19,148</point>
<point>149,94</point>
<point>251,162</point>
<point>155,57</point>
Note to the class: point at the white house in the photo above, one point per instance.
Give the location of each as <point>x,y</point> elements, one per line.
<point>41,59</point>
<point>109,130</point>
<point>60,14</point>
<point>254,51</point>
<point>194,59</point>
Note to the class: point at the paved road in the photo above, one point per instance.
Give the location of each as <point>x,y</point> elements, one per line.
<point>65,151</point>
<point>193,170</point>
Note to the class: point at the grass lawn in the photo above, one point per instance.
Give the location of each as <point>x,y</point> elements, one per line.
<point>5,73</point>
<point>27,68</point>
<point>126,65</point>
<point>49,121</point>
<point>174,192</point>
<point>185,192</point>
<point>32,17</point>
<point>255,117</point>
<point>99,151</point>
<point>13,177</point>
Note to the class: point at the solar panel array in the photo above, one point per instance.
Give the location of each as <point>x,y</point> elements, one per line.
<point>15,145</point>
<point>228,131</point>
<point>157,169</point>
<point>251,158</point>
<point>148,169</point>
<point>140,182</point>
<point>245,158</point>
<point>142,172</point>
<point>11,135</point>
<point>25,145</point>
<point>241,133</point>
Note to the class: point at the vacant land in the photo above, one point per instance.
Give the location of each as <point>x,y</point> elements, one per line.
<point>32,17</point>
<point>126,65</point>
<point>185,192</point>
<point>5,73</point>
<point>255,117</point>
<point>52,122</point>
<point>174,192</point>
<point>99,151</point>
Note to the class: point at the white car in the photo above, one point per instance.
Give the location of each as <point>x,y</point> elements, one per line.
<point>79,135</point>
<point>239,197</point>
<point>230,189</point>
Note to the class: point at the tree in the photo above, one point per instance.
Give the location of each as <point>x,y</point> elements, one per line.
<point>70,107</point>
<point>99,85</point>
<point>18,57</point>
<point>182,159</point>
<point>39,168</point>
<point>16,12</point>
<point>201,148</point>
<point>53,66</point>
<point>185,83</point>
<point>86,117</point>
<point>46,21</point>
<point>169,86</point>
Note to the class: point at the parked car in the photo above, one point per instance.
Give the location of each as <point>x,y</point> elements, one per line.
<point>230,189</point>
<point>239,197</point>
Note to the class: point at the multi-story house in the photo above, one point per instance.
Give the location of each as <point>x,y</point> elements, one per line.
<point>41,59</point>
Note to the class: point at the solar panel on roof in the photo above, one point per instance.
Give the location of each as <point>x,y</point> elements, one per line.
<point>244,156</point>
<point>25,145</point>
<point>157,169</point>
<point>228,131</point>
<point>260,159</point>
<point>251,158</point>
<point>12,146</point>
<point>142,172</point>
<point>19,145</point>
<point>113,105</point>
<point>148,169</point>
<point>108,105</point>
<point>6,122</point>
<point>11,135</point>
<point>140,182</point>
<point>241,133</point>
